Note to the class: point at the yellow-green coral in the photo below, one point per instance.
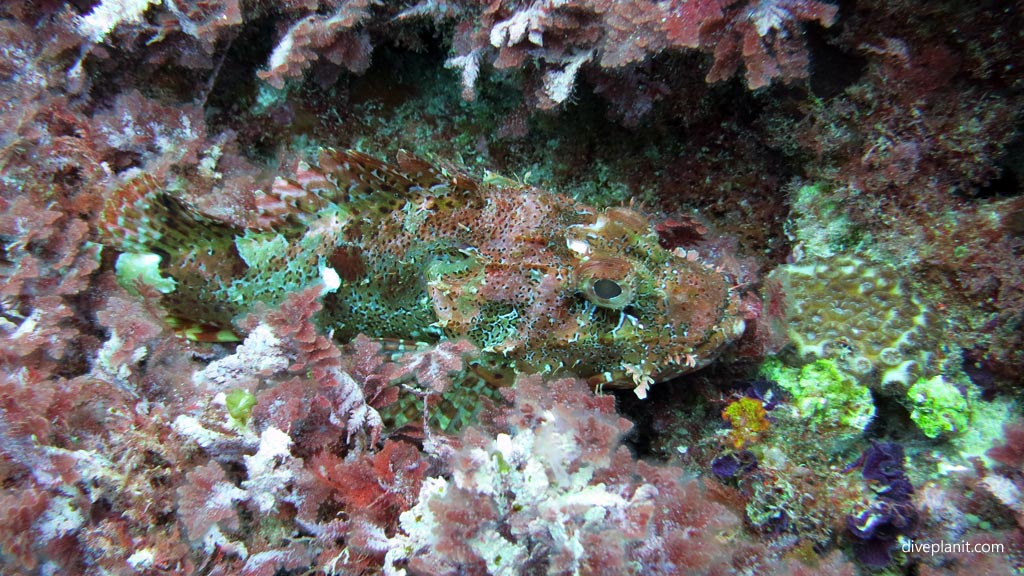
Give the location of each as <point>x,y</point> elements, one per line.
<point>938,407</point>
<point>239,403</point>
<point>824,395</point>
<point>748,419</point>
<point>862,315</point>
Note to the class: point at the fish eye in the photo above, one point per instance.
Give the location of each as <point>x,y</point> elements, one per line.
<point>607,289</point>
<point>606,281</point>
<point>608,293</point>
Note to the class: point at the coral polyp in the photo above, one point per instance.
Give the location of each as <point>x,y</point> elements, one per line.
<point>862,315</point>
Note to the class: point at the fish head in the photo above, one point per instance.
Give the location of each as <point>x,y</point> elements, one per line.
<point>642,313</point>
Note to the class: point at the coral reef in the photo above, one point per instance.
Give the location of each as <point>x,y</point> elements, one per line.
<point>200,373</point>
<point>916,181</point>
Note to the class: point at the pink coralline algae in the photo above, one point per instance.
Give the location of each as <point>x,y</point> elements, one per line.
<point>336,37</point>
<point>551,490</point>
<point>764,36</point>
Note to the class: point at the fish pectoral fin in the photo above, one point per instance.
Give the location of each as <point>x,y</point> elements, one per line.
<point>199,332</point>
<point>142,216</point>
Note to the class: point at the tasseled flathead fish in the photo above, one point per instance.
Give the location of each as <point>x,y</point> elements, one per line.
<point>537,280</point>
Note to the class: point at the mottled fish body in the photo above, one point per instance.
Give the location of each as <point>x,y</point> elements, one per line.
<point>413,251</point>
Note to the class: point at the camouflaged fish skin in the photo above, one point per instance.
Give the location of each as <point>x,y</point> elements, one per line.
<point>423,253</point>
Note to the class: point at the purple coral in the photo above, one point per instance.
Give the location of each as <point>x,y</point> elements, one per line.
<point>731,465</point>
<point>892,513</point>
<point>882,462</point>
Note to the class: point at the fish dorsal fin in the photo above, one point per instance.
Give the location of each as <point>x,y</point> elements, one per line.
<point>290,201</point>
<point>434,178</point>
<point>128,206</point>
<point>361,175</point>
<point>360,183</point>
<point>365,181</point>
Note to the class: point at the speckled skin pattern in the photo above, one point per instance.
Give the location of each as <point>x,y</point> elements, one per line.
<point>424,253</point>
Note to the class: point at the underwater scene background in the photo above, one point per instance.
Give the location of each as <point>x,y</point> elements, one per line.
<point>511,287</point>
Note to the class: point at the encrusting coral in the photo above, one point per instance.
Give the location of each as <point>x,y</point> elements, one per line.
<point>862,328</point>
<point>861,315</point>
